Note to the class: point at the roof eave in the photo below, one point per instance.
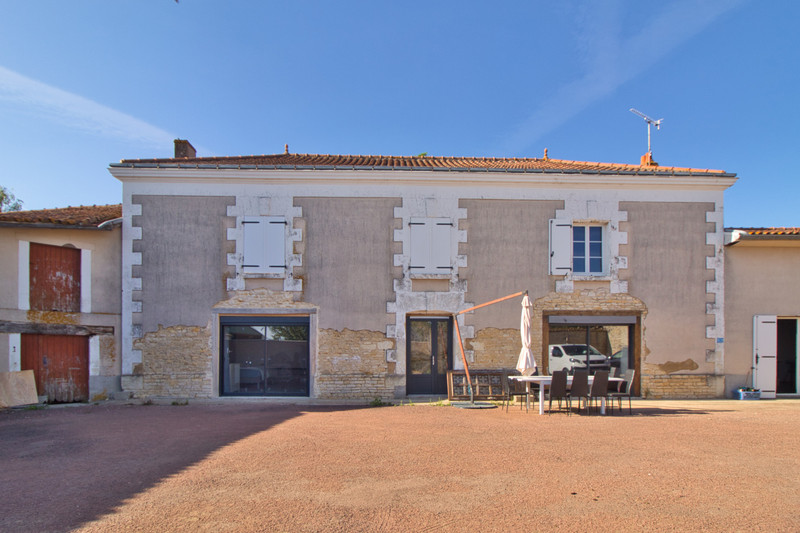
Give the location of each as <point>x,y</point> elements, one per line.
<point>103,226</point>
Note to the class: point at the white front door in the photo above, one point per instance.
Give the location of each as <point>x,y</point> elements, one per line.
<point>765,354</point>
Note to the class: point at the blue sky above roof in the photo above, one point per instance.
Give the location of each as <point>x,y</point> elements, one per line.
<point>86,84</point>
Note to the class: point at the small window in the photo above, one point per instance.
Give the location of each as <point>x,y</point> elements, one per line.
<point>264,245</point>
<point>577,248</point>
<point>430,245</point>
<point>587,250</point>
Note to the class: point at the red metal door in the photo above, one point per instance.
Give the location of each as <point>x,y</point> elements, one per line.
<point>55,278</point>
<point>60,364</point>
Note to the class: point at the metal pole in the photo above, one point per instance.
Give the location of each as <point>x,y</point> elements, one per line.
<point>461,344</point>
<point>464,360</point>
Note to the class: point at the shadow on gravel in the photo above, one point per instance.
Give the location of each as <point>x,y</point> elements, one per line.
<point>668,411</point>
<point>61,467</point>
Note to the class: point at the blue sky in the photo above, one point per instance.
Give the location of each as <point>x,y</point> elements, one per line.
<point>87,83</point>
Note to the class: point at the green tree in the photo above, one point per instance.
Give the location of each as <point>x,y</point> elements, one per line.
<point>9,202</point>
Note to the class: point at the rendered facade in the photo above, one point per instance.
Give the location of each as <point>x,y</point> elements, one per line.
<point>339,277</point>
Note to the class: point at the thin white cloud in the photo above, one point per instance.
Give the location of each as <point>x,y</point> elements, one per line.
<point>610,61</point>
<point>77,112</point>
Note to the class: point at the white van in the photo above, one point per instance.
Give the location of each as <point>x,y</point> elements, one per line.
<point>572,357</point>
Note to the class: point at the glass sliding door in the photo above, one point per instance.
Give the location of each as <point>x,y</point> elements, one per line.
<point>264,356</point>
<point>582,342</point>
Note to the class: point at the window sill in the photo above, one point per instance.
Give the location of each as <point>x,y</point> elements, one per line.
<point>590,277</point>
<point>268,275</point>
<point>420,275</point>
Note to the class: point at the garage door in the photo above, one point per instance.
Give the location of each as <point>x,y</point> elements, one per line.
<point>60,364</point>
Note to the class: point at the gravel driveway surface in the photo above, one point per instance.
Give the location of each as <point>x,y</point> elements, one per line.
<point>250,466</point>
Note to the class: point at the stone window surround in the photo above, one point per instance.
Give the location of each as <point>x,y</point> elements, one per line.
<point>265,206</point>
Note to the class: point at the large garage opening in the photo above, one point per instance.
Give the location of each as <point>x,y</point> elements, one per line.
<point>591,342</point>
<point>264,356</point>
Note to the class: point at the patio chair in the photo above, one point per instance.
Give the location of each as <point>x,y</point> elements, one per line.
<point>519,389</point>
<point>623,391</point>
<point>599,386</point>
<point>558,391</point>
<point>580,388</point>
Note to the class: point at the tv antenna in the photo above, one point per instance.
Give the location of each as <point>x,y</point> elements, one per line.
<point>650,121</point>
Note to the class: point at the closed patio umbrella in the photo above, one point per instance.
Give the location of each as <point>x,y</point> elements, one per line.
<point>526,359</point>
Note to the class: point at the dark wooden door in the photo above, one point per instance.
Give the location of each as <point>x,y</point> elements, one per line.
<point>55,278</point>
<point>429,354</point>
<point>60,364</point>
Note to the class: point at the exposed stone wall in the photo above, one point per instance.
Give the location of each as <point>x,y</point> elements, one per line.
<point>493,348</point>
<point>352,365</point>
<point>659,386</point>
<point>262,298</point>
<point>597,300</point>
<point>176,363</point>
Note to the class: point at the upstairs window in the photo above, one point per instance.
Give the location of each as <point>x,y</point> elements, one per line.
<point>577,248</point>
<point>264,245</point>
<point>430,246</point>
<point>587,250</point>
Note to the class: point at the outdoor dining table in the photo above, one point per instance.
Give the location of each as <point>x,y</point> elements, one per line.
<point>544,381</point>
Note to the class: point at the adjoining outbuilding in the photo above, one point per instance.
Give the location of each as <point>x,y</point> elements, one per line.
<point>762,310</point>
<point>60,299</point>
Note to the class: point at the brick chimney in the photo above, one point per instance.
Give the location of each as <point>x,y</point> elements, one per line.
<point>184,149</point>
<point>647,160</point>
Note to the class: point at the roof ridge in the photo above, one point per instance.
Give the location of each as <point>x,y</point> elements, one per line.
<point>426,161</point>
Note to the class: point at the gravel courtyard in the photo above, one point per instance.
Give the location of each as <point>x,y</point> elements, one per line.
<point>716,465</point>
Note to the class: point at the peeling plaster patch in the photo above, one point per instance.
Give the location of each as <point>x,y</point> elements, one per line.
<point>672,366</point>
<point>495,348</point>
<point>108,354</point>
<point>263,299</point>
<point>351,364</point>
<point>53,317</point>
<point>176,362</point>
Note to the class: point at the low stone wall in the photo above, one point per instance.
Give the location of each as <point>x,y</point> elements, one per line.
<point>176,363</point>
<point>680,386</point>
<point>352,365</point>
<point>493,348</point>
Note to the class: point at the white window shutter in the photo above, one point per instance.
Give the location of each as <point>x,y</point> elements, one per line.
<point>419,234</point>
<point>765,354</point>
<point>431,251</point>
<point>264,245</point>
<point>275,248</point>
<point>254,244</point>
<point>441,262</point>
<point>560,246</point>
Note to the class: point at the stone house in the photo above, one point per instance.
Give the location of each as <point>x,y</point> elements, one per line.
<point>60,299</point>
<point>339,277</point>
<point>762,310</point>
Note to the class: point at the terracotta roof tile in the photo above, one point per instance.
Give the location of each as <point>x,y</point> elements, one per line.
<point>769,231</point>
<point>416,162</point>
<point>85,216</point>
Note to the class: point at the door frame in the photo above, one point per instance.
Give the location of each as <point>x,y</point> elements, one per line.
<point>437,382</point>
